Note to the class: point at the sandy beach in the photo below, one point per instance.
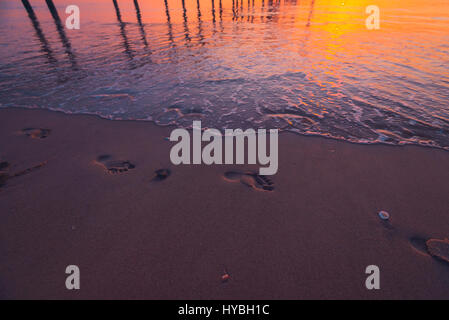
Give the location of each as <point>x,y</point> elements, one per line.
<point>173,234</point>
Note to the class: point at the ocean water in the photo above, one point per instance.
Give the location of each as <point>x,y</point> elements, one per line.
<point>308,66</point>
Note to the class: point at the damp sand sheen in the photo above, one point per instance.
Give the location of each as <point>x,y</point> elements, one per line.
<point>183,225</point>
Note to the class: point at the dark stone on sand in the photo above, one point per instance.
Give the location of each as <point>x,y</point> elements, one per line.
<point>161,174</point>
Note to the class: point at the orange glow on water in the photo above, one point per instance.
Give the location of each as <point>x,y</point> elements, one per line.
<point>311,64</point>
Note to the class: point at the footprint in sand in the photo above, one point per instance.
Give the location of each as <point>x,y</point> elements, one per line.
<point>250,179</point>
<point>36,133</point>
<point>423,245</point>
<point>114,166</point>
<point>438,248</point>
<point>4,174</point>
<point>432,247</point>
<point>419,245</point>
<point>161,174</point>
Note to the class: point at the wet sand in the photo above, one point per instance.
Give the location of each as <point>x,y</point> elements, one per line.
<point>173,234</point>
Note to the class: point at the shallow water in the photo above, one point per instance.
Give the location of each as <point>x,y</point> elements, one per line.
<point>306,66</point>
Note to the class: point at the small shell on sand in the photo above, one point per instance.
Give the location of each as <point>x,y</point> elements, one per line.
<point>384,215</point>
<point>438,248</point>
<point>225,277</point>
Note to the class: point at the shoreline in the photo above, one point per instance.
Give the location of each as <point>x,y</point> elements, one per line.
<point>136,235</point>
<point>281,131</point>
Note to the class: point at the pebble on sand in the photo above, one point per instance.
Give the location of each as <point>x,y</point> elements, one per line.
<point>161,174</point>
<point>225,277</point>
<point>384,215</point>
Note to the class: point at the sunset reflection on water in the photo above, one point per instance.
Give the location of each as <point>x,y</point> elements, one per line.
<point>306,66</point>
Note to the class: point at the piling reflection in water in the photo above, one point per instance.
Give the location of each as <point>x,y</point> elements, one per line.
<point>40,35</point>
<point>139,20</point>
<point>307,66</point>
<point>122,26</point>
<point>65,41</point>
<point>238,14</point>
<point>186,23</point>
